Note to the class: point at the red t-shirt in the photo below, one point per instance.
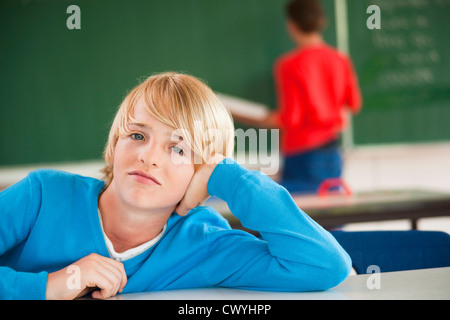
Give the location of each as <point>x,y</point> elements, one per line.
<point>314,86</point>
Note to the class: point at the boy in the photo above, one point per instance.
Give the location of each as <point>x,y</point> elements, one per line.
<point>141,229</point>
<point>315,83</point>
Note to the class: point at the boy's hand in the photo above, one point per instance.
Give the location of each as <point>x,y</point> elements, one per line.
<point>87,274</point>
<point>197,191</point>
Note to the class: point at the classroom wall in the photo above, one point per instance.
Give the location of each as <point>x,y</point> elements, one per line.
<point>59,88</point>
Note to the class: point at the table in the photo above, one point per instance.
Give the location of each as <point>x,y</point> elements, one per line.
<point>423,284</point>
<point>338,209</point>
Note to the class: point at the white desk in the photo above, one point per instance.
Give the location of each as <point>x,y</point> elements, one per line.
<point>415,284</point>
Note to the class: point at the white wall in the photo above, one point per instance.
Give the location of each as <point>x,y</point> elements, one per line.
<point>424,166</point>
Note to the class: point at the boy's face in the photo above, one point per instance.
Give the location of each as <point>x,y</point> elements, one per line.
<point>152,167</point>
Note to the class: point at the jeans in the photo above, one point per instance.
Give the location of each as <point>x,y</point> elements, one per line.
<point>303,173</point>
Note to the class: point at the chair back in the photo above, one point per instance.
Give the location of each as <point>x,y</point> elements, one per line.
<point>395,250</point>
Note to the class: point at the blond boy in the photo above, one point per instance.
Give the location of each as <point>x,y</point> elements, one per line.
<point>141,228</point>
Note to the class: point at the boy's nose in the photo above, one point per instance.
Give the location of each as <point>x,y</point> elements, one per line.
<point>151,155</point>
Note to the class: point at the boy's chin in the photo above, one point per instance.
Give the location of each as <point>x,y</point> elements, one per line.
<point>152,207</point>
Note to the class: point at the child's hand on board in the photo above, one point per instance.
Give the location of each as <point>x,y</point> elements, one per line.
<point>197,191</point>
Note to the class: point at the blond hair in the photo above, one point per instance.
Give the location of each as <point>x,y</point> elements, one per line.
<point>185,104</point>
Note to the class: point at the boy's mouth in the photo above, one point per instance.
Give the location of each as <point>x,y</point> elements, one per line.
<point>143,177</point>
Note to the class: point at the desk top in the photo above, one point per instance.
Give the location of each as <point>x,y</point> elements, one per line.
<point>369,198</point>
<point>314,202</point>
<point>337,209</point>
<point>421,284</point>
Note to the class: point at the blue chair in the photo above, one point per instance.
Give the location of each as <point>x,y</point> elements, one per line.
<point>395,250</point>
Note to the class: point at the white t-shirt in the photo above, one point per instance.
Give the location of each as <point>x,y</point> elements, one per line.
<point>130,253</point>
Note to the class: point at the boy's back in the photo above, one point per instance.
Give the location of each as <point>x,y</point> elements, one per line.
<point>315,83</point>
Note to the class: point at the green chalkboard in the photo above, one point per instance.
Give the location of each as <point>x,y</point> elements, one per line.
<point>60,88</point>
<point>404,70</point>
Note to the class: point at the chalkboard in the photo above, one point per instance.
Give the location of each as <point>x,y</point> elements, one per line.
<point>404,70</point>
<point>60,88</point>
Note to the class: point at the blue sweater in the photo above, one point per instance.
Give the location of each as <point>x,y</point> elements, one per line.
<point>50,220</point>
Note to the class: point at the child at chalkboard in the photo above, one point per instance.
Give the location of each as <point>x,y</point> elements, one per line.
<point>315,84</point>
<point>140,228</point>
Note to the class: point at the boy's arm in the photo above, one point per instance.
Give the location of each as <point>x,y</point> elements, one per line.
<point>19,208</point>
<point>19,205</point>
<point>295,254</point>
<point>270,121</point>
<point>16,285</point>
<point>353,92</point>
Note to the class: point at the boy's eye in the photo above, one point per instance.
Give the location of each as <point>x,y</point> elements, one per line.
<point>178,150</point>
<point>137,136</point>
